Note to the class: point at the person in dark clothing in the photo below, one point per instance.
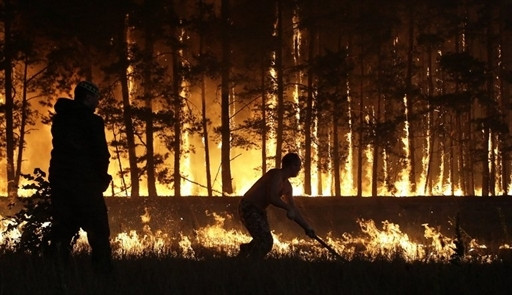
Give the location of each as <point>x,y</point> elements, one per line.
<point>78,176</point>
<point>273,188</point>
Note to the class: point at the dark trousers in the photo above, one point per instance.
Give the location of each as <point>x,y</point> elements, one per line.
<point>256,222</point>
<point>75,209</point>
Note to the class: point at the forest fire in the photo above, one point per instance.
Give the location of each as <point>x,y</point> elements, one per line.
<point>400,112</point>
<point>395,109</point>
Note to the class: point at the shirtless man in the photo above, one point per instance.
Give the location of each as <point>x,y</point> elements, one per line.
<point>272,188</point>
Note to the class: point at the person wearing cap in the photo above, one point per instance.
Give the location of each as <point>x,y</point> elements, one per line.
<point>78,176</point>
<point>273,188</point>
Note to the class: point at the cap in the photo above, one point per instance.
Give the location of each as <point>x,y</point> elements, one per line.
<point>89,86</point>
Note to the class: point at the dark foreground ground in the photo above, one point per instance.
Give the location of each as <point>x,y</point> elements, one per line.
<point>151,275</point>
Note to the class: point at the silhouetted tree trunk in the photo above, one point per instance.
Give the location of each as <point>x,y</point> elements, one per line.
<point>227,186</point>
<point>23,123</point>
<point>470,157</point>
<point>460,151</point>
<point>431,120</point>
<point>8,60</point>
<point>494,113</point>
<point>453,156</point>
<point>177,124</point>
<point>323,149</point>
<point>308,121</point>
<point>410,99</point>
<point>505,108</point>
<point>24,117</point>
<point>147,83</point>
<point>204,119</point>
<point>127,110</point>
<point>280,84</point>
<point>335,114</point>
<point>264,123</point>
<point>488,111</point>
<point>360,132</point>
<point>485,163</point>
<point>204,125</point>
<point>178,117</point>
<point>377,138</point>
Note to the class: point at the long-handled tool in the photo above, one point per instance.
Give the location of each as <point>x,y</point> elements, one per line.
<point>326,246</point>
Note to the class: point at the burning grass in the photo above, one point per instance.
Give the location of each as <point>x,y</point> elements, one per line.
<point>217,240</point>
<point>380,259</point>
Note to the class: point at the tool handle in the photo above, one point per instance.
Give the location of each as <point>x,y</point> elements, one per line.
<point>329,248</point>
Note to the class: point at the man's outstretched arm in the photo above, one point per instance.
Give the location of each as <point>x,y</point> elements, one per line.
<point>294,214</point>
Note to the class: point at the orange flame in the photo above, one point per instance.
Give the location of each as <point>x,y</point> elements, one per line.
<point>371,244</point>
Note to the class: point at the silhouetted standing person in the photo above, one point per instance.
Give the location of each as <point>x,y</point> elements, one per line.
<point>78,176</point>
<point>273,188</point>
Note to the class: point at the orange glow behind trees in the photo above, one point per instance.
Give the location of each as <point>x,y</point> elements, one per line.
<point>385,99</point>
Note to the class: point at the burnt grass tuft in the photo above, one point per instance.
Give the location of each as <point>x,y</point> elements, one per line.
<point>26,274</point>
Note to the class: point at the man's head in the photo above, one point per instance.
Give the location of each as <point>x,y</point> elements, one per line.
<point>291,162</point>
<point>87,93</point>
